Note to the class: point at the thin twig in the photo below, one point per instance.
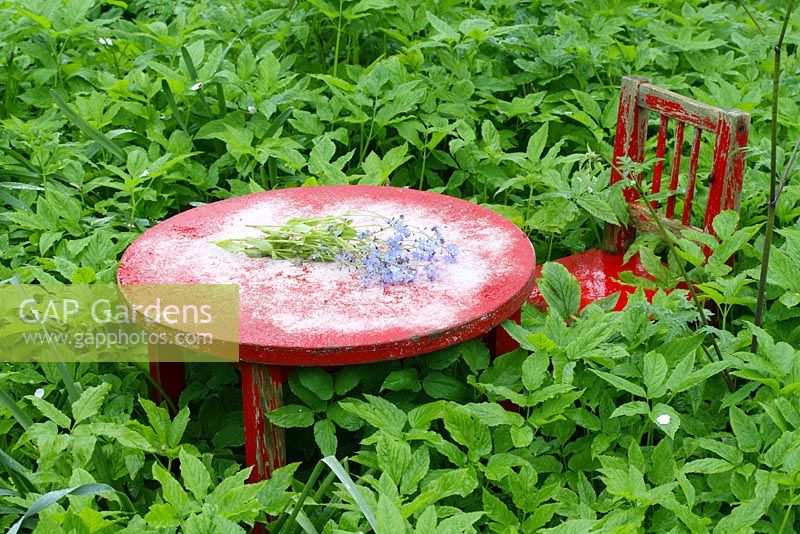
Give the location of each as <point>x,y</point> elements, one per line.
<point>786,172</point>
<point>773,180</point>
<point>750,14</point>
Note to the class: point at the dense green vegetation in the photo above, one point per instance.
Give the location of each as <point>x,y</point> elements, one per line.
<point>115,116</point>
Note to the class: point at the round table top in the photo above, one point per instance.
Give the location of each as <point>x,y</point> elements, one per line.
<point>317,313</point>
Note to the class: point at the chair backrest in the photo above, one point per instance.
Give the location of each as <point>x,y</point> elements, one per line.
<point>638,97</point>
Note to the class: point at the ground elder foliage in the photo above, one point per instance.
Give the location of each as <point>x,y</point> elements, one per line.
<point>117,114</point>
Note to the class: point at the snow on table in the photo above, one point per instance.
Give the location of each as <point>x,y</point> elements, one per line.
<point>316,313</point>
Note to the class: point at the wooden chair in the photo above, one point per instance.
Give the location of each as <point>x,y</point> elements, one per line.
<point>598,270</point>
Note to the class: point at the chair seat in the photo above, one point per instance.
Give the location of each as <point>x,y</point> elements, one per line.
<point>598,272</point>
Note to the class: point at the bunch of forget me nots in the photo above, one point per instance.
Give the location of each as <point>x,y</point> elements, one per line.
<point>380,249</point>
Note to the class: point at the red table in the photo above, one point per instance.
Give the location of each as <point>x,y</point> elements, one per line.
<point>317,314</point>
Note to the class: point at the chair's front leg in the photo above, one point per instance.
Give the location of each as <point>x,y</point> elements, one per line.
<point>498,341</point>
<point>265,443</point>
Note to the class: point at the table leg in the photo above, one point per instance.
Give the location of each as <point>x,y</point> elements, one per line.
<point>498,340</point>
<point>171,376</point>
<point>265,443</point>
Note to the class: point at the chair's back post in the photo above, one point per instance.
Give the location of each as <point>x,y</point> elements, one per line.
<point>630,139</point>
<point>732,133</point>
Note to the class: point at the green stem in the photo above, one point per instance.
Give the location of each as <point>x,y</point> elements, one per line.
<point>338,39</point>
<point>424,161</point>
<point>303,496</point>
<point>773,180</point>
<point>750,15</point>
<point>788,508</point>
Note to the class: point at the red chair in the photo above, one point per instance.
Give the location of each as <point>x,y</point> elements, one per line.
<point>598,271</point>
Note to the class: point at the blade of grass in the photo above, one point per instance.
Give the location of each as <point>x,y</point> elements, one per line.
<point>69,384</point>
<point>8,403</point>
<point>190,68</point>
<point>278,122</point>
<point>223,106</point>
<point>187,60</point>
<point>87,128</point>
<point>174,107</point>
<point>12,85</point>
<point>51,497</point>
<point>18,472</point>
<point>351,488</point>
<point>228,47</point>
<point>20,158</point>
<point>303,496</point>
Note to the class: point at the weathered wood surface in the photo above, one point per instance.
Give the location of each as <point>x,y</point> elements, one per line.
<point>265,443</point>
<point>598,270</point>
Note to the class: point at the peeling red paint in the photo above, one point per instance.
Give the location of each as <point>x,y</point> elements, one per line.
<point>492,277</point>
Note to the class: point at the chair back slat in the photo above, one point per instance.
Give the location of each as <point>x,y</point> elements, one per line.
<point>676,168</point>
<point>679,107</point>
<point>693,160</point>
<point>659,166</point>
<point>638,97</point>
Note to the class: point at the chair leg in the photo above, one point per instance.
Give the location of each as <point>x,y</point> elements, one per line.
<point>170,375</point>
<point>498,340</point>
<point>265,443</point>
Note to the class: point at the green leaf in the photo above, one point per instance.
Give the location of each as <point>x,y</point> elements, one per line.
<point>468,431</point>
<point>537,143</point>
<point>534,370</point>
<point>745,430</point>
<point>497,510</point>
<point>620,383</point>
<point>316,380</point>
<point>654,372</point>
<point>475,354</point>
<point>393,455</point>
<point>178,427</point>
<point>90,402</point>
<point>458,523</point>
<point>560,289</point>
<point>402,380</point>
<point>389,519</point>
<point>631,408</point>
<point>194,474</point>
<point>680,373</point>
<point>171,490</point>
<point>444,30</point>
<point>325,436</point>
<point>597,207</point>
<point>707,466</point>
<point>666,419</point>
<point>378,412</point>
<point>440,386</point>
<point>725,223</point>
<point>291,416</point>
<point>50,411</point>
